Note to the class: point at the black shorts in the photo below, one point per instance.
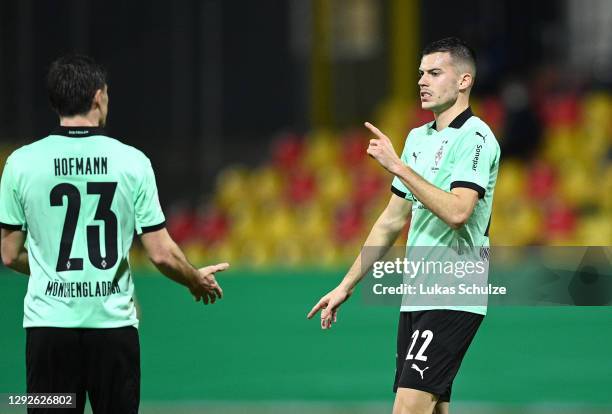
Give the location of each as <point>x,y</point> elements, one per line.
<point>104,363</point>
<point>430,347</point>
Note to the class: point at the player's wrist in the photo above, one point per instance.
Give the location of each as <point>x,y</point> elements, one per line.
<point>345,286</point>
<point>193,279</point>
<point>397,168</point>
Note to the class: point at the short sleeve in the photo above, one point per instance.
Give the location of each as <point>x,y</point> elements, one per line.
<point>148,211</point>
<point>397,186</point>
<point>473,160</point>
<point>12,216</point>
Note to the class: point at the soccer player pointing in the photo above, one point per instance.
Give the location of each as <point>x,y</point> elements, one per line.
<point>443,185</point>
<point>79,196</point>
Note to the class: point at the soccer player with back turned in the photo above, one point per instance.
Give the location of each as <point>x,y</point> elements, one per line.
<point>69,206</point>
<point>443,184</point>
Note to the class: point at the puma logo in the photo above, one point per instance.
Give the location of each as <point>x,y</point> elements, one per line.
<point>481,136</point>
<point>415,155</point>
<point>414,366</point>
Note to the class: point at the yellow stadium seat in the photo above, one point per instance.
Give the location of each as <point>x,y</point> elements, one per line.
<point>265,185</point>
<point>333,184</point>
<point>321,150</point>
<point>560,144</point>
<point>511,179</point>
<point>595,230</point>
<point>576,184</point>
<point>515,223</point>
<point>232,185</point>
<point>597,110</point>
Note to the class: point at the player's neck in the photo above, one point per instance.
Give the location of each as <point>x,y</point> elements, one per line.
<point>79,120</point>
<point>445,117</point>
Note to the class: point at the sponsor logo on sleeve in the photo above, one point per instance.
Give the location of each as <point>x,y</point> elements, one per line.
<point>476,157</point>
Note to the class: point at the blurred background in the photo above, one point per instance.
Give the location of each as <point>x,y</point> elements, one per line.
<point>251,113</point>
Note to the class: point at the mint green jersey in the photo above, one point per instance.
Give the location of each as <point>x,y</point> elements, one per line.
<point>79,195</point>
<point>465,154</point>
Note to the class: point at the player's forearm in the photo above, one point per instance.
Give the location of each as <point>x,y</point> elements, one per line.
<point>14,253</point>
<point>379,241</point>
<point>174,265</point>
<point>443,204</point>
<point>20,263</point>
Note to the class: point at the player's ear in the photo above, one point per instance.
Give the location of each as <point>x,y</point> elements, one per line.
<point>465,81</point>
<point>97,99</point>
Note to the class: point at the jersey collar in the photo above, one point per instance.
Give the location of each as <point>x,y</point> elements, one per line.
<point>459,120</point>
<point>78,131</point>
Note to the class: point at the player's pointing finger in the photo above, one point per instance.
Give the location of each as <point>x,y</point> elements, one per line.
<point>315,309</point>
<point>374,130</point>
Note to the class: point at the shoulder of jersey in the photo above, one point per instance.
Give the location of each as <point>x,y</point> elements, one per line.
<point>24,150</point>
<point>422,128</point>
<point>479,131</point>
<point>128,149</point>
<point>482,131</point>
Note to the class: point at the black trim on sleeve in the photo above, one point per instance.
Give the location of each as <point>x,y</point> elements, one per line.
<point>488,227</point>
<point>397,192</point>
<point>149,229</point>
<point>470,185</point>
<point>11,226</point>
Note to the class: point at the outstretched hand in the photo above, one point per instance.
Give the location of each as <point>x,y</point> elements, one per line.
<point>381,149</point>
<point>206,287</point>
<point>329,305</point>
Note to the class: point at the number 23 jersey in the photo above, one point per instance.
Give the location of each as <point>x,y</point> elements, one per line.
<point>79,195</point>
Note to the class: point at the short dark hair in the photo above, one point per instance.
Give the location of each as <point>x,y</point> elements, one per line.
<point>458,49</point>
<point>72,83</point>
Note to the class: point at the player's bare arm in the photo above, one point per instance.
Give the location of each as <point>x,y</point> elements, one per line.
<point>169,259</point>
<point>14,254</point>
<point>454,207</point>
<point>382,236</point>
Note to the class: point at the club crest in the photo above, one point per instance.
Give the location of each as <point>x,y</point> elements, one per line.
<point>438,156</point>
<point>440,152</point>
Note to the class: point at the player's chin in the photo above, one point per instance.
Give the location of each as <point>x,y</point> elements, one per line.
<point>427,105</point>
